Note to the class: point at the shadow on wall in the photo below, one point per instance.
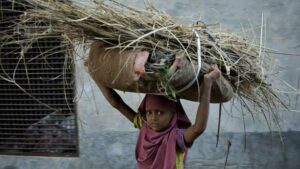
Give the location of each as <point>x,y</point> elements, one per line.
<point>10,167</point>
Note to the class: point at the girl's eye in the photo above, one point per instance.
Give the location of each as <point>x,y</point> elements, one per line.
<point>157,113</point>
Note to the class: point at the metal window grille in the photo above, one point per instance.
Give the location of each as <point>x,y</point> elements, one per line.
<point>37,89</point>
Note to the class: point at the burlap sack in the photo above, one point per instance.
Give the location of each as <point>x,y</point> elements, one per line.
<point>115,69</point>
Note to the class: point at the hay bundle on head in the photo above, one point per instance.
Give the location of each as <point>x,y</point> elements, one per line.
<point>121,27</point>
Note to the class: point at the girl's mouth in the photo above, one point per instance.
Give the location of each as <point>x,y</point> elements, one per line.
<point>154,125</point>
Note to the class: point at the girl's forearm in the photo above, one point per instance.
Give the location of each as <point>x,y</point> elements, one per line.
<point>111,96</point>
<point>203,109</point>
<point>117,102</point>
<point>199,126</point>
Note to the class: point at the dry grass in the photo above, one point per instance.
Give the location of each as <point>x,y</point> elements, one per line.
<point>244,64</point>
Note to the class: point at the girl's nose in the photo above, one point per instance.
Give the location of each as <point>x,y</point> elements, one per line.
<point>154,116</point>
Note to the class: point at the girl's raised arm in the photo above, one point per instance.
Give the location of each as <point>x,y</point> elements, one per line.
<point>116,101</point>
<point>198,128</point>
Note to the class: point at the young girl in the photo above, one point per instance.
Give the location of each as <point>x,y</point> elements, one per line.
<point>165,130</point>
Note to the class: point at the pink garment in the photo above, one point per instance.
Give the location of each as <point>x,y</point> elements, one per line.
<point>157,150</point>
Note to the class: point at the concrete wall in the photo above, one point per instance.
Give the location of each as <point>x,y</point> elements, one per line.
<point>107,139</point>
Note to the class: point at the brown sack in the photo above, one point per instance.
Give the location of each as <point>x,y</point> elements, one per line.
<point>114,69</point>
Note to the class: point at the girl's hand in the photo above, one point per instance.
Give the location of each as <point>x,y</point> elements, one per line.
<point>213,74</point>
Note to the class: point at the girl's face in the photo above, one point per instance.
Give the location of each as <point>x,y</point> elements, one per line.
<point>158,120</point>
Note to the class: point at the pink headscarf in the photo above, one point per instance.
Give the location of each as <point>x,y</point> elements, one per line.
<point>157,150</point>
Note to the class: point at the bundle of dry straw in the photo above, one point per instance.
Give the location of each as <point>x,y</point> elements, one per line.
<point>242,62</point>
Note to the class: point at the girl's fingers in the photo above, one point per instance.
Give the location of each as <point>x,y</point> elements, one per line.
<point>212,67</point>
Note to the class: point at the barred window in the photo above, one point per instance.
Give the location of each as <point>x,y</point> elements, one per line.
<point>37,90</point>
